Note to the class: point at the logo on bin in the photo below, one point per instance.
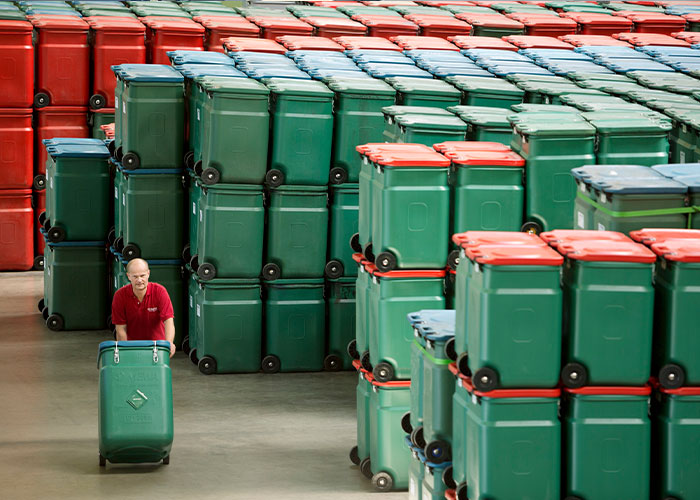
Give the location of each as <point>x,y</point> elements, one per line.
<point>137,399</point>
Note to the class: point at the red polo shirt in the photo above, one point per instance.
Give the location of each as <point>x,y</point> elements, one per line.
<point>143,320</point>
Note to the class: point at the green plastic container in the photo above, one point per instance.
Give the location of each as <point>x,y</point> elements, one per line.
<point>460,402</point>
<point>488,127</point>
<point>98,118</point>
<point>633,142</point>
<point>189,339</point>
<point>424,92</point>
<point>415,417</point>
<point>391,127</point>
<point>302,132</point>
<point>194,194</point>
<point>429,129</point>
<point>297,229</point>
<point>229,325</point>
<point>607,442</point>
<point>294,326</point>
<point>234,138</point>
<point>135,410</point>
<point>363,394</point>
<point>230,231</point>
<point>358,120</point>
<point>344,220</point>
<point>415,476</point>
<point>362,285</point>
<point>477,91</point>
<point>684,136</point>
<point>341,322</point>
<point>433,486</point>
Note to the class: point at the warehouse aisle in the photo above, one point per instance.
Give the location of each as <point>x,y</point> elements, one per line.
<point>236,437</point>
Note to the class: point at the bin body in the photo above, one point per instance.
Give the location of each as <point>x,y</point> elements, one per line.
<point>460,402</point>
<point>17,73</point>
<point>341,318</point>
<point>57,121</point>
<point>17,138</point>
<point>17,230</point>
<point>363,392</point>
<point>363,286</point>
<point>344,208</point>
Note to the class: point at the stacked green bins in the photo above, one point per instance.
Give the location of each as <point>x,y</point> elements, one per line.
<point>229,325</point>
<point>607,442</point>
<point>391,127</point>
<point>135,410</point>
<point>478,91</point>
<point>301,132</point>
<point>341,322</point>
<point>151,116</point>
<point>358,120</point>
<point>359,455</point>
<point>343,225</point>
<point>424,92</point>
<point>429,129</point>
<point>294,325</point>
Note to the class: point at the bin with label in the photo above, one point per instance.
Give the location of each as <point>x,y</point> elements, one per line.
<point>340,297</point>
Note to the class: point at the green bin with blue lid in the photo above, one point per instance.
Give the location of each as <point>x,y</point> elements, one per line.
<point>429,129</point>
<point>391,113</point>
<point>684,134</point>
<point>344,207</point>
<point>688,174</point>
<point>97,118</point>
<point>340,299</point>
<point>135,410</point>
<point>151,119</point>
<point>488,92</point>
<point>179,57</point>
<point>607,442</point>
<point>487,127</point>
<point>423,92</point>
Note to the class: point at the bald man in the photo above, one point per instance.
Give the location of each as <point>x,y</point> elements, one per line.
<point>142,310</point>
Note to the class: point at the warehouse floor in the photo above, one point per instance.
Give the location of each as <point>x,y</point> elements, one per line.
<point>284,436</point>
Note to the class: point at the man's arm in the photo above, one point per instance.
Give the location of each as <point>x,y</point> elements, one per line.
<point>121,332</point>
<point>169,325</point>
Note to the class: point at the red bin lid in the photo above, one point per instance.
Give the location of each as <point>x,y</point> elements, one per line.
<point>240,44</point>
<point>693,18</point>
<point>644,39</point>
<point>514,255</point>
<point>692,37</point>
<point>374,147</point>
<point>598,19</point>
<point>656,18</point>
<point>359,258</point>
<point>678,250</point>
<point>489,20</point>
<point>376,21</point>
<point>388,3</point>
<point>15,26</point>
<point>366,43</point>
<point>481,42</point>
<point>225,23</point>
<point>593,40</point>
<point>476,238</point>
<point>58,22</point>
<point>558,236</point>
<point>537,42</point>
<point>606,251</point>
<point>611,391</point>
<point>107,23</point>
<point>296,42</point>
<point>369,267</point>
<point>410,273</point>
<point>175,24</point>
<point>543,20</point>
<point>500,158</point>
<point>423,43</point>
<point>432,21</point>
<point>650,236</point>
<point>457,146</point>
<point>682,391</point>
<point>281,23</point>
<point>409,159</point>
<point>336,23</point>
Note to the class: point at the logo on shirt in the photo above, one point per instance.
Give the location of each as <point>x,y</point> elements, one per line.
<point>152,309</point>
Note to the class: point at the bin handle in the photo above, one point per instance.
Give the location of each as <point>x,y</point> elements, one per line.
<point>155,352</point>
<point>116,353</point>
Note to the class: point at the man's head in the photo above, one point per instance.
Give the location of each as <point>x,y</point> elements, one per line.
<point>137,271</point>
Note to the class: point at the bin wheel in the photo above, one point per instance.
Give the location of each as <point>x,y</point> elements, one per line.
<point>463,364</point>
<point>271,364</point>
<point>366,468</point>
<point>103,461</point>
<point>355,455</point>
<point>42,217</point>
<point>111,147</point>
<point>274,178</point>
<point>450,349</point>
<point>448,478</point>
<point>119,153</point>
<point>55,322</point>
<point>355,243</point>
<point>206,271</point>
<point>271,272</point>
<point>572,497</point>
<point>131,251</point>
<point>131,161</point>
<point>97,101</point>
<point>41,100</point>
<point>406,422</point>
<point>385,262</point>
<point>188,159</point>
<point>198,168</point>
<point>671,376</point>
<point>352,349</point>
<point>56,234</point>
<point>382,481</point>
<point>185,346</point>
<point>194,262</point>
<point>369,255</point>
<point>41,304</point>
<point>47,224</point>
<point>364,361</point>
<point>186,256</point>
<point>45,313</point>
<point>574,375</point>
<point>438,451</point>
<point>461,491</point>
<point>39,263</point>
<point>332,363</point>
<point>453,259</point>
<point>334,269</point>
<point>119,244</point>
<point>39,183</point>
<point>207,365</point>
<point>210,176</point>
<point>383,372</point>
<point>670,498</point>
<point>531,227</point>
<point>166,460</point>
<point>485,379</point>
<point>111,236</point>
<point>193,356</point>
<point>417,437</point>
<point>338,175</point>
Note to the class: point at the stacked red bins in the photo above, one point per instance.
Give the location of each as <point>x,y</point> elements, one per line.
<point>220,27</point>
<point>386,26</point>
<point>440,26</point>
<point>331,27</point>
<point>599,24</point>
<point>652,22</point>
<point>272,27</point>
<point>171,33</point>
<point>545,25</point>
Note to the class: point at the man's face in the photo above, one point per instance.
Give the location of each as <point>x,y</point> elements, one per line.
<point>139,277</point>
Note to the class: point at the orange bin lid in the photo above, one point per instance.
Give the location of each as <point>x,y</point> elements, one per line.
<point>476,238</point>
<point>500,158</point>
<point>606,251</point>
<point>514,255</point>
<point>650,236</point>
<point>678,250</point>
<point>559,236</point>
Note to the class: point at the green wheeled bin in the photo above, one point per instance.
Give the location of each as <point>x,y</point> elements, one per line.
<point>358,120</point>
<point>229,325</point>
<point>391,127</point>
<point>344,208</point>
<point>230,230</point>
<point>429,129</point>
<point>494,92</point>
<point>152,115</point>
<point>297,229</point>
<point>607,442</point>
<point>433,485</point>
<point>295,326</point>
<point>360,344</point>
<point>424,92</point>
<point>414,418</point>
<point>359,455</point>
<point>99,117</point>
<point>460,401</point>
<point>341,299</point>
<point>487,127</point>
<point>135,410</point>
<point>194,193</point>
<point>189,339</point>
<point>684,135</point>
<point>416,471</point>
<point>301,132</point>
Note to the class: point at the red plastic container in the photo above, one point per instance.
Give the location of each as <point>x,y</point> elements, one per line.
<point>17,67</point>
<point>481,42</point>
<point>650,22</point>
<point>238,44</point>
<point>440,26</point>
<point>16,148</point>
<point>366,43</point>
<point>596,40</point>
<point>292,42</point>
<point>423,43</point>
<point>494,20</point>
<point>16,230</point>
<point>653,39</point>
<point>331,27</point>
<point>691,37</point>
<point>545,25</point>
<point>62,61</point>
<point>114,40</point>
<point>274,27</point>
<point>599,24</point>
<point>387,26</point>
<point>220,27</point>
<point>39,206</point>
<point>57,121</point>
<point>537,42</point>
<point>164,34</point>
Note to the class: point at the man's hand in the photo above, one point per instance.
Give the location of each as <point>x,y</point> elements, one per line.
<point>172,349</point>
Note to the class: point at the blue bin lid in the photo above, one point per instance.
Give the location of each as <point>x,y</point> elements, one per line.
<point>326,63</point>
<point>502,69</point>
<point>78,151</point>
<point>566,69</point>
<point>606,50</point>
<point>555,54</point>
<point>395,58</point>
<point>148,171</point>
<point>692,181</point>
<point>297,54</point>
<point>72,140</point>
<point>685,67</point>
<point>65,244</point>
<point>383,70</point>
<point>53,12</point>
<point>593,173</point>
<point>277,72</point>
<point>631,185</point>
<point>655,50</point>
<point>240,57</point>
<point>627,65</point>
<point>370,53</point>
<point>673,170</point>
<point>493,55</point>
<point>193,71</point>
<point>443,72</point>
<point>198,57</point>
<point>111,344</point>
<point>434,324</point>
<point>325,74</point>
<point>148,73</point>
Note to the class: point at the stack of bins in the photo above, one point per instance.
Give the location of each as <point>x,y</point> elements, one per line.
<point>688,174</point>
<point>76,169</point>
<point>148,188</point>
<point>16,136</point>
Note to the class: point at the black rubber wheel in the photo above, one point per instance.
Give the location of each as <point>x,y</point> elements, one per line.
<point>186,256</point>
<point>103,461</point>
<point>198,167</point>
<point>463,364</point>
<point>461,491</point>
<point>332,363</point>
<point>119,244</point>
<point>383,372</point>
<point>188,159</point>
<point>355,243</point>
<point>41,100</point>
<point>41,304</point>
<point>485,379</point>
<point>671,376</point>
<point>39,183</point>
<point>207,365</point>
<point>185,346</point>
<point>55,322</point>
<point>119,153</point>
<point>274,178</point>
<point>382,481</point>
<point>42,218</point>
<point>271,364</point>
<point>111,147</point>
<point>210,176</point>
<point>417,438</point>
<point>271,272</point>
<point>406,422</point>
<point>574,375</point>
<point>131,161</point>
<point>111,236</point>
<point>166,460</point>
<point>194,262</point>
<point>56,234</point>
<point>364,361</point>
<point>338,175</point>
<point>366,468</point>
<point>38,263</point>
<point>448,478</point>
<point>97,101</point>
<point>352,349</point>
<point>670,498</point>
<point>385,262</point>
<point>438,451</point>
<point>131,251</point>
<point>453,259</point>
<point>354,455</point>
<point>334,269</point>
<point>45,313</point>
<point>367,251</point>
<point>47,224</point>
<point>572,497</point>
<point>206,271</point>
<point>531,227</point>
<point>193,356</point>
<point>450,349</point>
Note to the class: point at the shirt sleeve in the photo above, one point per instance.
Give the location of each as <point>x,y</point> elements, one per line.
<point>118,309</point>
<point>165,306</point>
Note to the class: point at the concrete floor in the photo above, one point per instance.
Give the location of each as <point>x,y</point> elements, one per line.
<point>284,436</point>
